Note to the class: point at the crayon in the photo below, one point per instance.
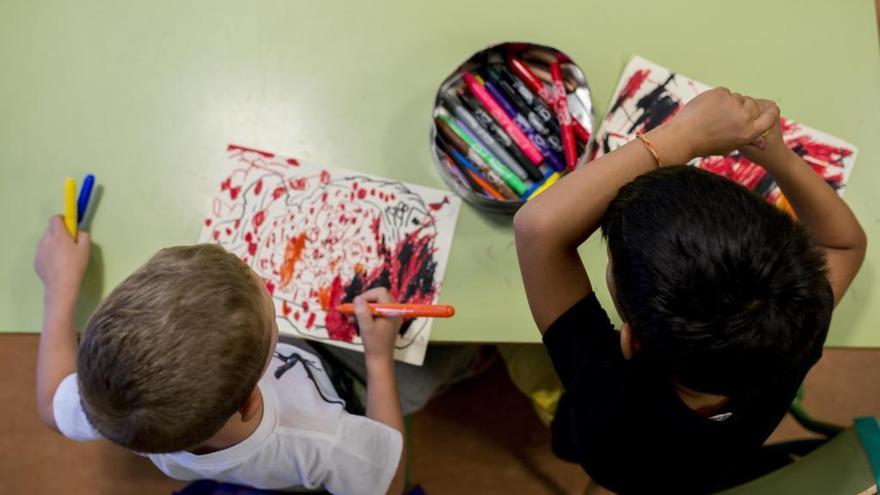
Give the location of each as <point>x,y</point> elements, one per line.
<point>528,148</point>
<point>70,206</point>
<point>527,76</point>
<point>564,117</point>
<point>85,193</point>
<point>485,120</point>
<point>459,149</point>
<point>506,175</point>
<point>521,122</point>
<point>403,310</point>
<point>470,123</point>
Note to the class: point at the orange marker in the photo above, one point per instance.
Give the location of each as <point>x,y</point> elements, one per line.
<point>403,310</point>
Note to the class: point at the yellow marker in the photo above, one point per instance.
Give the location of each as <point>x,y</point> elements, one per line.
<point>547,183</point>
<point>70,206</point>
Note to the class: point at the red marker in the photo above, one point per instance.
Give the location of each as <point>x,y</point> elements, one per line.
<point>561,108</point>
<point>529,149</point>
<point>534,83</point>
<point>403,310</point>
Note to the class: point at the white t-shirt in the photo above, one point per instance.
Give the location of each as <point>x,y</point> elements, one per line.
<point>304,440</point>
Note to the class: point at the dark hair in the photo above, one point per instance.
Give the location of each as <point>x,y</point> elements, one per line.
<point>723,291</point>
<point>174,350</point>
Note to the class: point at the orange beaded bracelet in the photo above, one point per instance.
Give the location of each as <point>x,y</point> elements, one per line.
<point>651,148</point>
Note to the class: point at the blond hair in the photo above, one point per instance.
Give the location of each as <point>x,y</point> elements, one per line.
<point>174,350</point>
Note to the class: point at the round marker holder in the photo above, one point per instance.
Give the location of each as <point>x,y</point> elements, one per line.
<point>499,132</point>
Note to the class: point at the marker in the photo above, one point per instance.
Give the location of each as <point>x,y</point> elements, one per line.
<point>70,206</point>
<point>564,117</point>
<point>506,175</point>
<point>459,149</point>
<point>445,151</point>
<point>85,193</point>
<point>523,124</point>
<point>554,177</point>
<point>529,149</point>
<point>471,124</point>
<point>536,122</point>
<point>527,76</point>
<point>479,179</point>
<point>403,310</point>
<point>541,110</point>
<point>485,120</point>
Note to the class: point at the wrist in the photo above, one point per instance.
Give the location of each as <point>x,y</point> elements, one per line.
<point>378,361</point>
<point>672,143</point>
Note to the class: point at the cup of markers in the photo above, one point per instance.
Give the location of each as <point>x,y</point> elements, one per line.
<point>509,122</point>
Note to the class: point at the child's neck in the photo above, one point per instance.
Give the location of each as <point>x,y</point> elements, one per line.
<point>233,432</point>
<point>702,403</point>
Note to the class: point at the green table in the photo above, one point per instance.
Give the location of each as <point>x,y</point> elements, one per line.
<point>146,95</point>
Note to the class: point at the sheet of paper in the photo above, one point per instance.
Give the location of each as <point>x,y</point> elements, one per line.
<point>648,95</point>
<point>318,236</point>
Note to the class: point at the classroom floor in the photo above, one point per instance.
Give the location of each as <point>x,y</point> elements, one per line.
<point>480,437</point>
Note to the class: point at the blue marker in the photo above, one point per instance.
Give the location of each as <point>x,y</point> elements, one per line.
<point>85,193</point>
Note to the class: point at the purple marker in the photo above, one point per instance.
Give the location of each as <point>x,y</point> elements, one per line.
<point>552,158</point>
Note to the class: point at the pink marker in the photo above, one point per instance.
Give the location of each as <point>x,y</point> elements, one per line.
<point>529,149</point>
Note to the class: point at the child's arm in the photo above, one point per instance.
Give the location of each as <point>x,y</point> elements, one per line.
<point>383,403</point>
<point>60,262</point>
<point>818,208</point>
<point>549,228</point>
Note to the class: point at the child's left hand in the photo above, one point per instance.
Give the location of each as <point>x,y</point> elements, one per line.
<point>61,261</point>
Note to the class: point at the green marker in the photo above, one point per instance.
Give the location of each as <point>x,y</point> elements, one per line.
<point>505,173</point>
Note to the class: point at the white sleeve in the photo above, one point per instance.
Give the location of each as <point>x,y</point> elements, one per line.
<point>364,458</point>
<point>69,415</point>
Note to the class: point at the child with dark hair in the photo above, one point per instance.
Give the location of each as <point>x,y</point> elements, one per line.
<point>725,300</point>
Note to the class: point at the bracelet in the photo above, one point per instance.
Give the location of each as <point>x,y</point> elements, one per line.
<point>651,148</point>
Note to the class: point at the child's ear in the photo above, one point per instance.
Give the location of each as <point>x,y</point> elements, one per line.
<point>251,406</point>
<point>629,344</point>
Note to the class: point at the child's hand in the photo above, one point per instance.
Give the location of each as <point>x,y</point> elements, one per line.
<point>717,122</point>
<point>60,261</point>
<point>378,334</point>
<point>774,145</point>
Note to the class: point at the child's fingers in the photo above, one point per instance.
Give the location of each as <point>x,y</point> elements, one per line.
<point>378,294</point>
<point>768,118</point>
<point>56,222</point>
<point>83,239</point>
<point>362,312</point>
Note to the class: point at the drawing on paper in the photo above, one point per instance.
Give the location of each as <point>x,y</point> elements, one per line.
<point>318,236</point>
<point>648,95</point>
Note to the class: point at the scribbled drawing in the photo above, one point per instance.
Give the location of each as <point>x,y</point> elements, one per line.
<point>319,236</point>
<point>649,95</point>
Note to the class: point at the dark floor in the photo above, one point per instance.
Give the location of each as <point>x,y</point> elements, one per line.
<point>480,437</point>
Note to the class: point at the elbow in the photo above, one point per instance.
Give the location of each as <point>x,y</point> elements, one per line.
<point>528,224</point>
<point>47,413</point>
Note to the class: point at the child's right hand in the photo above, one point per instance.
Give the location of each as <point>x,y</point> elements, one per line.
<point>378,334</point>
<point>61,261</point>
<point>717,122</point>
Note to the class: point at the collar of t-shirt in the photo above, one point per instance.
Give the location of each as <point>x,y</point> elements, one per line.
<point>232,456</point>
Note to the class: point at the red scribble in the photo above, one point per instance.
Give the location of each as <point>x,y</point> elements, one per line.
<point>259,218</point>
<point>226,184</point>
<point>293,161</point>
<point>278,192</point>
<point>298,184</point>
<point>285,308</point>
<point>311,322</point>
<point>232,147</point>
<point>233,192</point>
<point>632,86</point>
<point>208,222</point>
<point>258,187</point>
<point>270,286</point>
<point>325,177</point>
<point>438,205</point>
